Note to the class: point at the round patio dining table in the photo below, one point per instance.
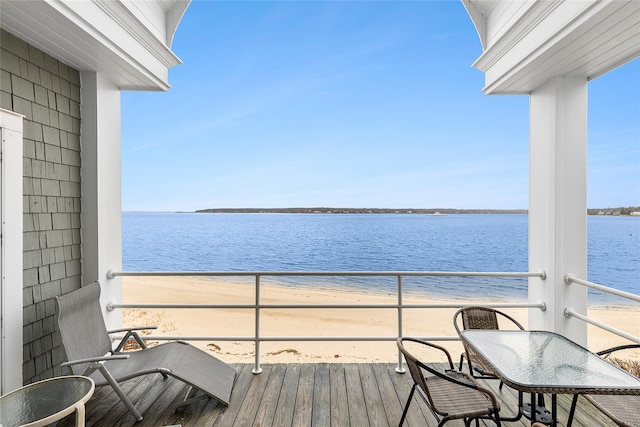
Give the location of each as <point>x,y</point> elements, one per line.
<point>43,402</point>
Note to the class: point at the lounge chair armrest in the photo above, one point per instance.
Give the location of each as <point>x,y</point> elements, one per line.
<point>137,328</point>
<point>95,359</point>
<point>131,333</point>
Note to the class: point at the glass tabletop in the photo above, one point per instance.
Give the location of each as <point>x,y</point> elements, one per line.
<point>548,362</point>
<point>42,399</point>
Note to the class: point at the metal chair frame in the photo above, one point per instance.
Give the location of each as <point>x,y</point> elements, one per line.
<point>476,402</point>
<point>479,317</point>
<point>612,405</point>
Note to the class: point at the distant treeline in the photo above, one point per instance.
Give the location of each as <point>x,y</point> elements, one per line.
<point>430,211</point>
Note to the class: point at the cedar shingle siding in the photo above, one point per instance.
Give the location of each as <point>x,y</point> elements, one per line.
<point>47,93</point>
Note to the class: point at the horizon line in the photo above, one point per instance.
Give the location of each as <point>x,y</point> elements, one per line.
<point>326,209</point>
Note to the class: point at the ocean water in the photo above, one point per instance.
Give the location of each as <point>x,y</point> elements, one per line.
<point>370,242</point>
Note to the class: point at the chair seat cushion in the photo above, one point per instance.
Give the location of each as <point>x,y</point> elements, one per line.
<point>623,409</point>
<point>455,401</point>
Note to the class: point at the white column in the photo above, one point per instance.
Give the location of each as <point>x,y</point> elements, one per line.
<point>558,203</point>
<point>101,188</point>
<point>11,255</point>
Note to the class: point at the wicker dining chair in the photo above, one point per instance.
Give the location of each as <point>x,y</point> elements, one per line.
<point>449,394</point>
<point>478,317</point>
<point>624,410</point>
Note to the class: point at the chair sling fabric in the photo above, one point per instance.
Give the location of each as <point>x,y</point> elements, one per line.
<point>88,349</point>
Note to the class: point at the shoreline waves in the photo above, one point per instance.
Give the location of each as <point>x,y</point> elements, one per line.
<point>304,322</point>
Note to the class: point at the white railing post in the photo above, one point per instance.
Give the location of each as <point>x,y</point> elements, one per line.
<point>400,368</point>
<point>257,369</point>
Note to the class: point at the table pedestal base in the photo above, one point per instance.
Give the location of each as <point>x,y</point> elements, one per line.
<point>543,415</point>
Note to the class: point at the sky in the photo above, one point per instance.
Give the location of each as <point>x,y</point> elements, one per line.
<point>350,104</point>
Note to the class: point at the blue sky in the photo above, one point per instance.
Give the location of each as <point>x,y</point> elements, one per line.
<point>349,104</point>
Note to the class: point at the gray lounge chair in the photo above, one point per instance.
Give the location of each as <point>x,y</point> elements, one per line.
<point>89,351</point>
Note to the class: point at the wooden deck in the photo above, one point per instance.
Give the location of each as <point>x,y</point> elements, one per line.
<point>323,394</point>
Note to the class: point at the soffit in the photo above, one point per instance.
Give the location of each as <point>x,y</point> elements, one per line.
<point>127,45</point>
<point>527,43</point>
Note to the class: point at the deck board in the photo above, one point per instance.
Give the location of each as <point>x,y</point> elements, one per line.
<point>303,411</point>
<point>225,416</point>
<point>388,392</point>
<point>287,399</point>
<point>339,400</point>
<point>355,395</point>
<point>293,395</point>
<point>253,398</point>
<point>270,401</point>
<point>321,416</point>
<point>375,404</point>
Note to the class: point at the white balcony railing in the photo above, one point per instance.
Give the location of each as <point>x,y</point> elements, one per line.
<point>570,312</point>
<point>257,306</point>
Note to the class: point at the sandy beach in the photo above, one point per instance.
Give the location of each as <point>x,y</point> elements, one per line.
<point>312,322</point>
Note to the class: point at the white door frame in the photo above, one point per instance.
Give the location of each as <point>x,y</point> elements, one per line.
<point>11,251</point>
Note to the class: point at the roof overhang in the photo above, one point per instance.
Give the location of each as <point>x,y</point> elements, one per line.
<point>126,41</point>
<point>526,43</point>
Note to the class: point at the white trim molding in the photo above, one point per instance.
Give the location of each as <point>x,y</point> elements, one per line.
<point>11,212</point>
<point>525,44</point>
<point>124,41</point>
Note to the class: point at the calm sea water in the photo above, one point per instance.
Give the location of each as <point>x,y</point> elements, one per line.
<point>296,242</point>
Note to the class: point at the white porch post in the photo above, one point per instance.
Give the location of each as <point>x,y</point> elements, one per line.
<point>558,202</point>
<point>101,188</point>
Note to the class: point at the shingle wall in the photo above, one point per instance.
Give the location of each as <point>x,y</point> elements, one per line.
<point>47,93</point>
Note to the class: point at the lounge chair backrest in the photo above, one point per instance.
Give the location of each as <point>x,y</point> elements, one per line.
<point>81,325</point>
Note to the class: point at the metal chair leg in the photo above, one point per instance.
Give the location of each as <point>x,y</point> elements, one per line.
<point>406,406</point>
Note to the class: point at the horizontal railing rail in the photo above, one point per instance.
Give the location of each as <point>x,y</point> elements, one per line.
<point>112,273</point>
<point>570,311</point>
<point>258,306</point>
<point>570,278</point>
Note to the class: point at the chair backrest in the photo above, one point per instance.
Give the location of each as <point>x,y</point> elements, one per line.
<point>414,368</point>
<point>81,325</point>
<point>417,368</point>
<point>478,317</point>
<point>628,363</point>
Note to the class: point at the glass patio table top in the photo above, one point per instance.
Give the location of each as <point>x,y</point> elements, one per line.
<point>46,401</point>
<point>546,362</point>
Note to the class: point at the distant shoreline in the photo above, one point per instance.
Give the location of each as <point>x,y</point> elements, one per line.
<point>620,211</point>
<point>326,210</point>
